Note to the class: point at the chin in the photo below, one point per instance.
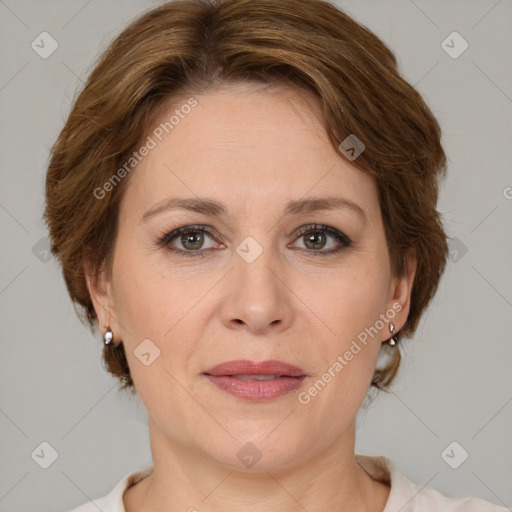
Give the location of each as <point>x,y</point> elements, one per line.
<point>255,451</point>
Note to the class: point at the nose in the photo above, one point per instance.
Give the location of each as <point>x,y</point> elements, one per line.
<point>258,300</point>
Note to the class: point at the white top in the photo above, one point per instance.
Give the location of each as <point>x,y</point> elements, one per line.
<point>404,496</point>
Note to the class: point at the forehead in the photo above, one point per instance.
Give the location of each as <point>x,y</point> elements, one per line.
<point>244,145</point>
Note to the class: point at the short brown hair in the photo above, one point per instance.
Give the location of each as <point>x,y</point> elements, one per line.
<point>190,46</point>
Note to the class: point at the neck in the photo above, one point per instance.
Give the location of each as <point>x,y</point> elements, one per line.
<point>185,479</point>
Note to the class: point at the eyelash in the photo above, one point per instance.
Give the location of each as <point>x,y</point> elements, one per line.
<point>167,237</point>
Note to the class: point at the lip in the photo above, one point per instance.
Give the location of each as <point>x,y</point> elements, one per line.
<point>246,367</point>
<point>224,377</point>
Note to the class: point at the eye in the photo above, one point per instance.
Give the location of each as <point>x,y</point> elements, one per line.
<point>191,239</point>
<point>315,237</point>
<point>188,241</point>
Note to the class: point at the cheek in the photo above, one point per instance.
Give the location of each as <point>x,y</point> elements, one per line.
<point>152,312</point>
<point>357,297</point>
<point>347,355</point>
<point>155,304</point>
<point>144,297</point>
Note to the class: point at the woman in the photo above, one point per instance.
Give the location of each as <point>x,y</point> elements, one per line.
<point>243,200</point>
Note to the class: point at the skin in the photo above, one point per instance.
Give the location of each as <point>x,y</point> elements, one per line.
<point>253,148</point>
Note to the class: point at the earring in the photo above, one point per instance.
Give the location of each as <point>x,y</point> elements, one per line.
<point>393,340</point>
<point>108,336</point>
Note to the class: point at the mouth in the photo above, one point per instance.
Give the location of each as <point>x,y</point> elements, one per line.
<point>250,370</point>
<point>256,382</point>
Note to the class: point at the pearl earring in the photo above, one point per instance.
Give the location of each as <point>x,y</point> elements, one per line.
<point>393,340</point>
<point>108,336</point>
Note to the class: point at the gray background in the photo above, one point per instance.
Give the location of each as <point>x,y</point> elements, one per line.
<point>455,383</point>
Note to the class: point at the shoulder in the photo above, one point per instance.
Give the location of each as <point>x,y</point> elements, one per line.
<point>407,496</point>
<point>113,501</point>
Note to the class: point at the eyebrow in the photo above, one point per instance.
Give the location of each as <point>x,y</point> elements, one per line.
<point>214,208</point>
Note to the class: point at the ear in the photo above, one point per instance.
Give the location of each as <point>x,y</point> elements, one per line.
<point>100,291</point>
<point>401,289</point>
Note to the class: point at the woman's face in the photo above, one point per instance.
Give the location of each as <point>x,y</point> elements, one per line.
<point>262,283</point>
